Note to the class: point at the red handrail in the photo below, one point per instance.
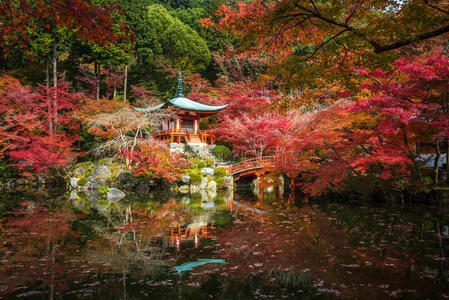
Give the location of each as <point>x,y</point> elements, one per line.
<point>254,163</point>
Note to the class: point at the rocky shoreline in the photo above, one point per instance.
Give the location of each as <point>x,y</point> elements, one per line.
<point>114,183</point>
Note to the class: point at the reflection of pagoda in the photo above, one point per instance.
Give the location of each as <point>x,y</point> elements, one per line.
<point>190,233</point>
<point>187,234</point>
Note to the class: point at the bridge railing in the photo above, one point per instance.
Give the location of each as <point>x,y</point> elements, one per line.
<point>254,163</point>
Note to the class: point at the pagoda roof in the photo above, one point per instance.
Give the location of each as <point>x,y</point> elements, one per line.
<point>180,101</point>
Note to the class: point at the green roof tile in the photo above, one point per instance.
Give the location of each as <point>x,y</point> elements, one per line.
<point>182,102</point>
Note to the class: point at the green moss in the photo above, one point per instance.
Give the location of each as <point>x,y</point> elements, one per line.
<point>116,169</point>
<point>105,162</point>
<point>85,165</point>
<point>82,181</point>
<point>89,171</point>
<point>103,202</point>
<point>103,190</point>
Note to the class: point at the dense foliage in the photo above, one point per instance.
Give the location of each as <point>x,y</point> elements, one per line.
<point>348,95</point>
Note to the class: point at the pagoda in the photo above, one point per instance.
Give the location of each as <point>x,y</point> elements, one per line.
<point>183,127</point>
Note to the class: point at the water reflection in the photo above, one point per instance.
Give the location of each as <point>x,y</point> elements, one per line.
<point>82,246</point>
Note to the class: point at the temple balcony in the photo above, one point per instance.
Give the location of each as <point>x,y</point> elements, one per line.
<point>184,136</point>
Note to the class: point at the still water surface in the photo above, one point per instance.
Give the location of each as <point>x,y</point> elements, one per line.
<point>226,246</point>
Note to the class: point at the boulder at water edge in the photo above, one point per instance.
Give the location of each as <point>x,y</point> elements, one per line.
<point>114,195</point>
<point>208,171</point>
<point>185,179</point>
<point>212,186</point>
<point>100,172</point>
<point>204,183</point>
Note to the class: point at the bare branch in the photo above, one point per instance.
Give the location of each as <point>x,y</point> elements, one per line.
<point>324,43</point>
<point>436,7</point>
<point>419,37</point>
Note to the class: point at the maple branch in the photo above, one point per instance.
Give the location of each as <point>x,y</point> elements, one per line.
<point>324,43</point>
<point>377,47</point>
<point>316,14</point>
<point>345,131</point>
<point>367,151</point>
<point>419,37</point>
<point>352,12</point>
<point>284,29</point>
<point>317,152</point>
<point>436,7</point>
<point>314,6</point>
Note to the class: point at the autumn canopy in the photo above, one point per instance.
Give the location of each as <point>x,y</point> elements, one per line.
<point>345,94</point>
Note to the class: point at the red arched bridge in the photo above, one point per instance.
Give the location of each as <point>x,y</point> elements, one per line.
<point>257,166</point>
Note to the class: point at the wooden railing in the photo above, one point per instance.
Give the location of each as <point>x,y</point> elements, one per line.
<point>172,135</point>
<point>251,164</point>
<point>176,136</point>
<point>206,137</point>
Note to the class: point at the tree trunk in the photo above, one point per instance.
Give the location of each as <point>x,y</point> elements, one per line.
<point>114,93</point>
<point>125,82</point>
<point>416,162</point>
<point>47,73</point>
<point>97,87</point>
<point>49,104</point>
<point>437,160</point>
<point>447,160</point>
<point>55,85</point>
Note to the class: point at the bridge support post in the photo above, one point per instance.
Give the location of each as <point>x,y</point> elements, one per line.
<point>260,186</point>
<point>292,188</point>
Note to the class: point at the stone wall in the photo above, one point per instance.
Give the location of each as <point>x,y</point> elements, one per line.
<point>201,150</point>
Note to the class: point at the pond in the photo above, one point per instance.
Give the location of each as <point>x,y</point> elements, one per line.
<point>56,245</point>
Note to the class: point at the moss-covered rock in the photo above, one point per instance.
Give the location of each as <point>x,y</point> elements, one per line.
<point>82,181</point>
<point>105,161</point>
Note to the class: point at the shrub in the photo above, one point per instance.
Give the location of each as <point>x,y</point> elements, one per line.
<point>199,163</point>
<point>157,161</point>
<point>195,177</point>
<point>222,152</point>
<point>220,182</point>
<point>220,172</point>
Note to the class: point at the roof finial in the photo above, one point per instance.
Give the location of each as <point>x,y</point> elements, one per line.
<point>179,91</point>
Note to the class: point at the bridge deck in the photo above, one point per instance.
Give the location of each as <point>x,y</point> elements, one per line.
<point>251,164</point>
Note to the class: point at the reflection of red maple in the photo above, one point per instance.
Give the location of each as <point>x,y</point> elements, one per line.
<point>36,243</point>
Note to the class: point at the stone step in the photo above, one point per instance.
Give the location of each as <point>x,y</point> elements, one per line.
<point>195,139</point>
